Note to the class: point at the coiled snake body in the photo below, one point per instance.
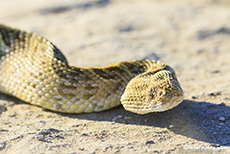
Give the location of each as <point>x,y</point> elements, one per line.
<point>35,71</point>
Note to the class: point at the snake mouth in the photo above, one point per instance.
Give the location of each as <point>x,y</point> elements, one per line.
<point>159,106</point>
<point>173,102</point>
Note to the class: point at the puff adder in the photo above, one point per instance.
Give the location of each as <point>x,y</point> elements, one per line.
<point>35,71</point>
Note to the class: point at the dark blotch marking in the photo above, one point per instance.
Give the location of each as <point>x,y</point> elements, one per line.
<point>116,70</point>
<point>74,71</point>
<point>63,86</point>
<point>58,54</point>
<point>110,73</point>
<point>58,106</point>
<point>87,96</point>
<point>10,34</point>
<point>62,93</point>
<point>89,87</point>
<point>104,74</point>
<point>158,70</point>
<point>117,85</point>
<point>58,99</point>
<point>61,74</point>
<point>69,73</point>
<point>153,72</point>
<point>134,68</point>
<point>5,34</point>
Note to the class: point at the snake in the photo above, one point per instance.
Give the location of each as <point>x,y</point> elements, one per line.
<point>35,71</point>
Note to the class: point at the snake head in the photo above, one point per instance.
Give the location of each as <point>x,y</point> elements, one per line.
<point>152,92</point>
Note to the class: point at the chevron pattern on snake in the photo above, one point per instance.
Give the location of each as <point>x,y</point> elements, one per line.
<point>35,71</point>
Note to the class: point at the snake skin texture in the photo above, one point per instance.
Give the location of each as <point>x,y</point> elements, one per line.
<point>35,71</point>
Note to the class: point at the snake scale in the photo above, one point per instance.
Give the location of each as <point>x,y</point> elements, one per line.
<point>35,71</point>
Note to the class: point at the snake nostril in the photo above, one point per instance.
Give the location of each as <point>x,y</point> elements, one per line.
<point>160,93</point>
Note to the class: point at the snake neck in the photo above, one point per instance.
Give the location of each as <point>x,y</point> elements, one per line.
<point>99,87</point>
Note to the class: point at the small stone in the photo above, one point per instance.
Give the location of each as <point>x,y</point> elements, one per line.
<point>171,126</point>
<point>40,137</point>
<point>41,121</point>
<point>127,28</point>
<point>131,147</point>
<point>216,71</point>
<point>150,142</point>
<point>214,94</point>
<point>12,114</point>
<point>77,125</point>
<point>221,123</point>
<point>2,145</point>
<point>194,97</point>
<point>222,119</point>
<point>82,149</point>
<point>127,118</point>
<point>85,134</point>
<point>116,118</point>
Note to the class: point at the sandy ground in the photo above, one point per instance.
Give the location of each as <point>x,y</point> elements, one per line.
<point>192,36</point>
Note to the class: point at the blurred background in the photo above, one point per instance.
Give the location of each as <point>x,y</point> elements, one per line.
<point>192,36</point>
<point>105,31</point>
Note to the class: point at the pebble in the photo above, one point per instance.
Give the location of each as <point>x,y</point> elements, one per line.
<point>127,118</point>
<point>150,142</point>
<point>40,137</point>
<point>41,121</point>
<point>117,117</point>
<point>194,97</point>
<point>214,93</point>
<point>221,123</point>
<point>2,145</point>
<point>12,114</point>
<point>82,149</point>
<point>222,119</point>
<point>171,126</point>
<point>85,134</point>
<point>216,71</point>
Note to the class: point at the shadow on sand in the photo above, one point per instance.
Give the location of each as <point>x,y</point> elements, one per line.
<point>202,121</point>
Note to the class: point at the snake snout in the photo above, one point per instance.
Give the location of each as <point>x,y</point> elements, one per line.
<point>164,95</point>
